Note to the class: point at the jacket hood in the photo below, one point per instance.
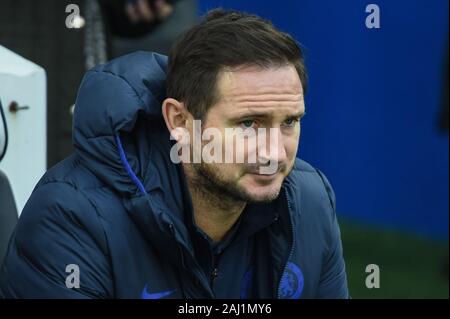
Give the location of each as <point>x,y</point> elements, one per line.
<point>121,137</point>
<point>113,102</point>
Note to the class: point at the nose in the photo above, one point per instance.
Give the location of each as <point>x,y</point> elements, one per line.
<point>271,149</point>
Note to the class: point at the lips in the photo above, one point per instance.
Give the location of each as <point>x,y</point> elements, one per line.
<point>264,177</point>
<point>257,172</point>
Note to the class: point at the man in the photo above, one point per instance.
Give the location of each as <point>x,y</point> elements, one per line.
<point>125,218</point>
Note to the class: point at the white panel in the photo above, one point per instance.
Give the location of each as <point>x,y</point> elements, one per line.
<point>25,160</point>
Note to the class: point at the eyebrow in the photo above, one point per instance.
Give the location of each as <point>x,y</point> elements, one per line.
<point>264,114</point>
<point>299,115</point>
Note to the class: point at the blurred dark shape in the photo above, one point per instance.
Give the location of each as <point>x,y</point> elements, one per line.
<point>8,214</point>
<point>3,133</point>
<point>149,25</point>
<point>444,126</point>
<point>444,114</point>
<point>8,210</point>
<point>129,19</point>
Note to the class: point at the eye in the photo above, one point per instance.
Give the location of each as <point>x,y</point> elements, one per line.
<point>291,121</point>
<point>247,123</point>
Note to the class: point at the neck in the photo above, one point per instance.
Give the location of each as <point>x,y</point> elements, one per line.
<point>213,213</point>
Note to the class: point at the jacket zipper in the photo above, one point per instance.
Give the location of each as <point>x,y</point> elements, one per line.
<point>291,247</point>
<point>180,250</point>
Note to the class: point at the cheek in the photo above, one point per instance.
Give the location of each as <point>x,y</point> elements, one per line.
<point>291,146</point>
<point>229,171</point>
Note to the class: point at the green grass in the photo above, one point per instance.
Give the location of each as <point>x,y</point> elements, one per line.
<point>410,267</point>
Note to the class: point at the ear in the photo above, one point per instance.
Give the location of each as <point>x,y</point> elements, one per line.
<point>176,116</point>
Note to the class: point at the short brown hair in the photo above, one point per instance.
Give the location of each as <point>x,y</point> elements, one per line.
<point>225,39</point>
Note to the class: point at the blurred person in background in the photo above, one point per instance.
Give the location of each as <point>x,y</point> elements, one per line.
<point>149,25</point>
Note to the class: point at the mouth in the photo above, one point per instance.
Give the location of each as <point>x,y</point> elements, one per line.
<point>264,177</point>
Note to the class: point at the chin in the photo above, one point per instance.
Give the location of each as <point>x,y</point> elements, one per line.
<point>259,181</point>
<point>263,197</point>
<point>262,193</point>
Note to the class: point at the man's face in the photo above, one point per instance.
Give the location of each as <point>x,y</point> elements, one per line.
<point>258,98</point>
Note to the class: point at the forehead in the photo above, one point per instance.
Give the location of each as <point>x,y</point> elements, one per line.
<point>254,87</point>
<point>255,79</point>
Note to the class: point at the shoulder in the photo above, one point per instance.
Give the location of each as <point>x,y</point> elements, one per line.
<point>311,183</point>
<point>313,199</point>
<point>58,227</point>
<point>59,205</point>
<point>70,171</point>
